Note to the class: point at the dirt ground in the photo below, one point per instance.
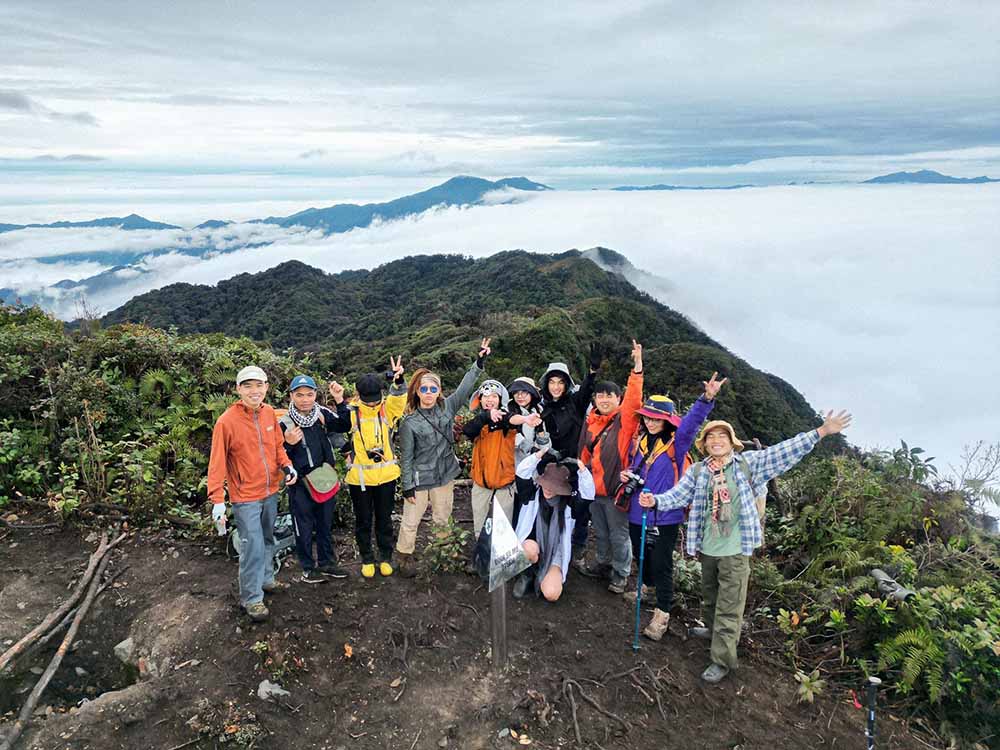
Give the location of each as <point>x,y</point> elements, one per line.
<point>381,663</point>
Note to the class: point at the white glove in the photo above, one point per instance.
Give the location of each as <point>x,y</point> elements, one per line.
<point>219,518</point>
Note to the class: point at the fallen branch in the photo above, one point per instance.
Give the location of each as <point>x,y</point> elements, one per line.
<point>568,692</point>
<point>29,706</point>
<point>597,706</point>
<point>27,526</point>
<point>60,612</point>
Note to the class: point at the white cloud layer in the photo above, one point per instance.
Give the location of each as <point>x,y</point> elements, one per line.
<point>881,299</point>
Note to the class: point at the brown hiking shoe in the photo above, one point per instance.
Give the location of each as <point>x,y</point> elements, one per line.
<point>275,587</point>
<point>405,565</point>
<point>658,625</point>
<point>648,592</point>
<point>257,611</point>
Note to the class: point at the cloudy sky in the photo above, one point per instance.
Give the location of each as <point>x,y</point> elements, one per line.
<point>576,94</point>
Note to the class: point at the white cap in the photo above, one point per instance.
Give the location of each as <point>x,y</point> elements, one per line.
<point>251,373</point>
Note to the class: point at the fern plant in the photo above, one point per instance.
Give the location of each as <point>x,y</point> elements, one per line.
<point>918,652</point>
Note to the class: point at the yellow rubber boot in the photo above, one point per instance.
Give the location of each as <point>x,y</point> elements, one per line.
<point>368,570</point>
<point>385,569</point>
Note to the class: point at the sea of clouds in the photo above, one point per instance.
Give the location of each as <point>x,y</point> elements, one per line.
<point>881,299</point>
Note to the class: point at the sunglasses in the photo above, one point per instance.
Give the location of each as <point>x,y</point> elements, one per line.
<point>429,389</point>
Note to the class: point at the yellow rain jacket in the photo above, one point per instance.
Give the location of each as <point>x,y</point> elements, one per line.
<point>371,429</point>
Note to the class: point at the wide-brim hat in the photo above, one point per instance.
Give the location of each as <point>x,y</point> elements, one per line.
<point>555,479</point>
<point>716,424</point>
<point>524,385</point>
<point>489,386</point>
<point>660,407</point>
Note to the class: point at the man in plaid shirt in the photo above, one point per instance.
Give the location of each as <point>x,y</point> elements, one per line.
<point>721,491</point>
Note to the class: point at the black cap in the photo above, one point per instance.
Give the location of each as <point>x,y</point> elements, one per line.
<point>369,387</point>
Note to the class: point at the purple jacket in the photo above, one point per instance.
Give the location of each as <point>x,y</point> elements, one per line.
<point>659,474</point>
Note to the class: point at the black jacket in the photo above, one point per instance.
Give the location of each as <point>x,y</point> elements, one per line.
<point>564,418</point>
<point>316,438</point>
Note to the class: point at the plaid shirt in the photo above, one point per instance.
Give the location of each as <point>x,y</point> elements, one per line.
<point>694,489</point>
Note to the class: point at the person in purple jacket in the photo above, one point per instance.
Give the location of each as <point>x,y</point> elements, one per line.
<point>658,458</point>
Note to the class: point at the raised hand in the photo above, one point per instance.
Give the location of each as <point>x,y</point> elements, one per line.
<point>336,391</point>
<point>713,386</point>
<point>484,351</point>
<point>533,420</point>
<point>596,355</point>
<point>496,415</point>
<point>834,423</point>
<point>396,365</point>
<point>637,355</point>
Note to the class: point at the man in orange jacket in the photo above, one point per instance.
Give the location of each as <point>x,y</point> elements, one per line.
<point>604,444</point>
<point>247,460</point>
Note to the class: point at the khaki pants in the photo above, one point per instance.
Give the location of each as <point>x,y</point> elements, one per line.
<point>440,499</point>
<point>724,596</point>
<point>481,505</point>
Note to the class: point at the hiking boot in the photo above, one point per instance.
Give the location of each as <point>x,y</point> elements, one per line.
<point>275,587</point>
<point>312,576</point>
<point>522,585</point>
<point>597,570</point>
<point>714,673</point>
<point>618,584</point>
<point>704,633</point>
<point>648,592</point>
<point>405,565</point>
<point>256,611</point>
<point>579,563</point>
<point>368,570</point>
<point>385,569</point>
<point>332,570</point>
<point>658,625</point>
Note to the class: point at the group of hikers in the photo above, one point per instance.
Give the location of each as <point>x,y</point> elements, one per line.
<point>558,457</point>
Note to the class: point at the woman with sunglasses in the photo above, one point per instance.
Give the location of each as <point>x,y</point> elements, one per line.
<point>427,453</point>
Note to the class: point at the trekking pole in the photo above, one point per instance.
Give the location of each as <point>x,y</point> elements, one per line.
<point>638,589</point>
<point>873,683</point>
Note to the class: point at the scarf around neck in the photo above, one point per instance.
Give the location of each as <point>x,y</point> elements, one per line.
<point>303,420</point>
<point>722,502</point>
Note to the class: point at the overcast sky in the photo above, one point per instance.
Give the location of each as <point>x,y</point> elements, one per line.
<point>580,94</point>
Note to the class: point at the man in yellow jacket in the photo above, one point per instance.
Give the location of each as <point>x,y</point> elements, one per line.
<point>372,466</point>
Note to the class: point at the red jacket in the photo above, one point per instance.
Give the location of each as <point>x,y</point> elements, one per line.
<point>247,455</point>
<point>610,453</point>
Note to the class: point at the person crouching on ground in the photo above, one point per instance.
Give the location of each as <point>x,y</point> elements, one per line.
<point>427,452</point>
<point>545,525</point>
<point>604,445</point>
<point>659,460</point>
<point>372,468</point>
<point>247,460</point>
<point>724,526</point>
<point>525,402</point>
<point>305,429</point>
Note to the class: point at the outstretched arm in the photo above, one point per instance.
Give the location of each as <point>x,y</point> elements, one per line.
<point>455,401</point>
<point>776,460</point>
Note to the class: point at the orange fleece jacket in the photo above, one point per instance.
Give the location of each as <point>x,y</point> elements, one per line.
<point>247,455</point>
<point>604,464</point>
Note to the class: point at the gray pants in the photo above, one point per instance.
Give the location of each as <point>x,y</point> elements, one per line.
<point>255,524</point>
<point>614,545</point>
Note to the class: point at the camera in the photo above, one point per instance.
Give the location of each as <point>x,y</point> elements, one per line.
<point>389,376</point>
<point>376,454</point>
<point>634,482</point>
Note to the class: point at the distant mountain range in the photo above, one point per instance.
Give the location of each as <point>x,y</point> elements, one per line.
<point>127,264</point>
<point>926,177</point>
<point>130,222</point>
<point>630,188</point>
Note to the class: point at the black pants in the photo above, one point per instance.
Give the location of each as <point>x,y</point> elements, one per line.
<point>582,526</point>
<point>311,518</point>
<point>658,565</point>
<point>524,493</point>
<point>374,500</point>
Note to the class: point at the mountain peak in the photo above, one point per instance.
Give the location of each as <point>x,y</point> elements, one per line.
<point>926,177</point>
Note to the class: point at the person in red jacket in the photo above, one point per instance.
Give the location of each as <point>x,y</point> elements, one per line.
<point>604,446</point>
<point>247,461</point>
